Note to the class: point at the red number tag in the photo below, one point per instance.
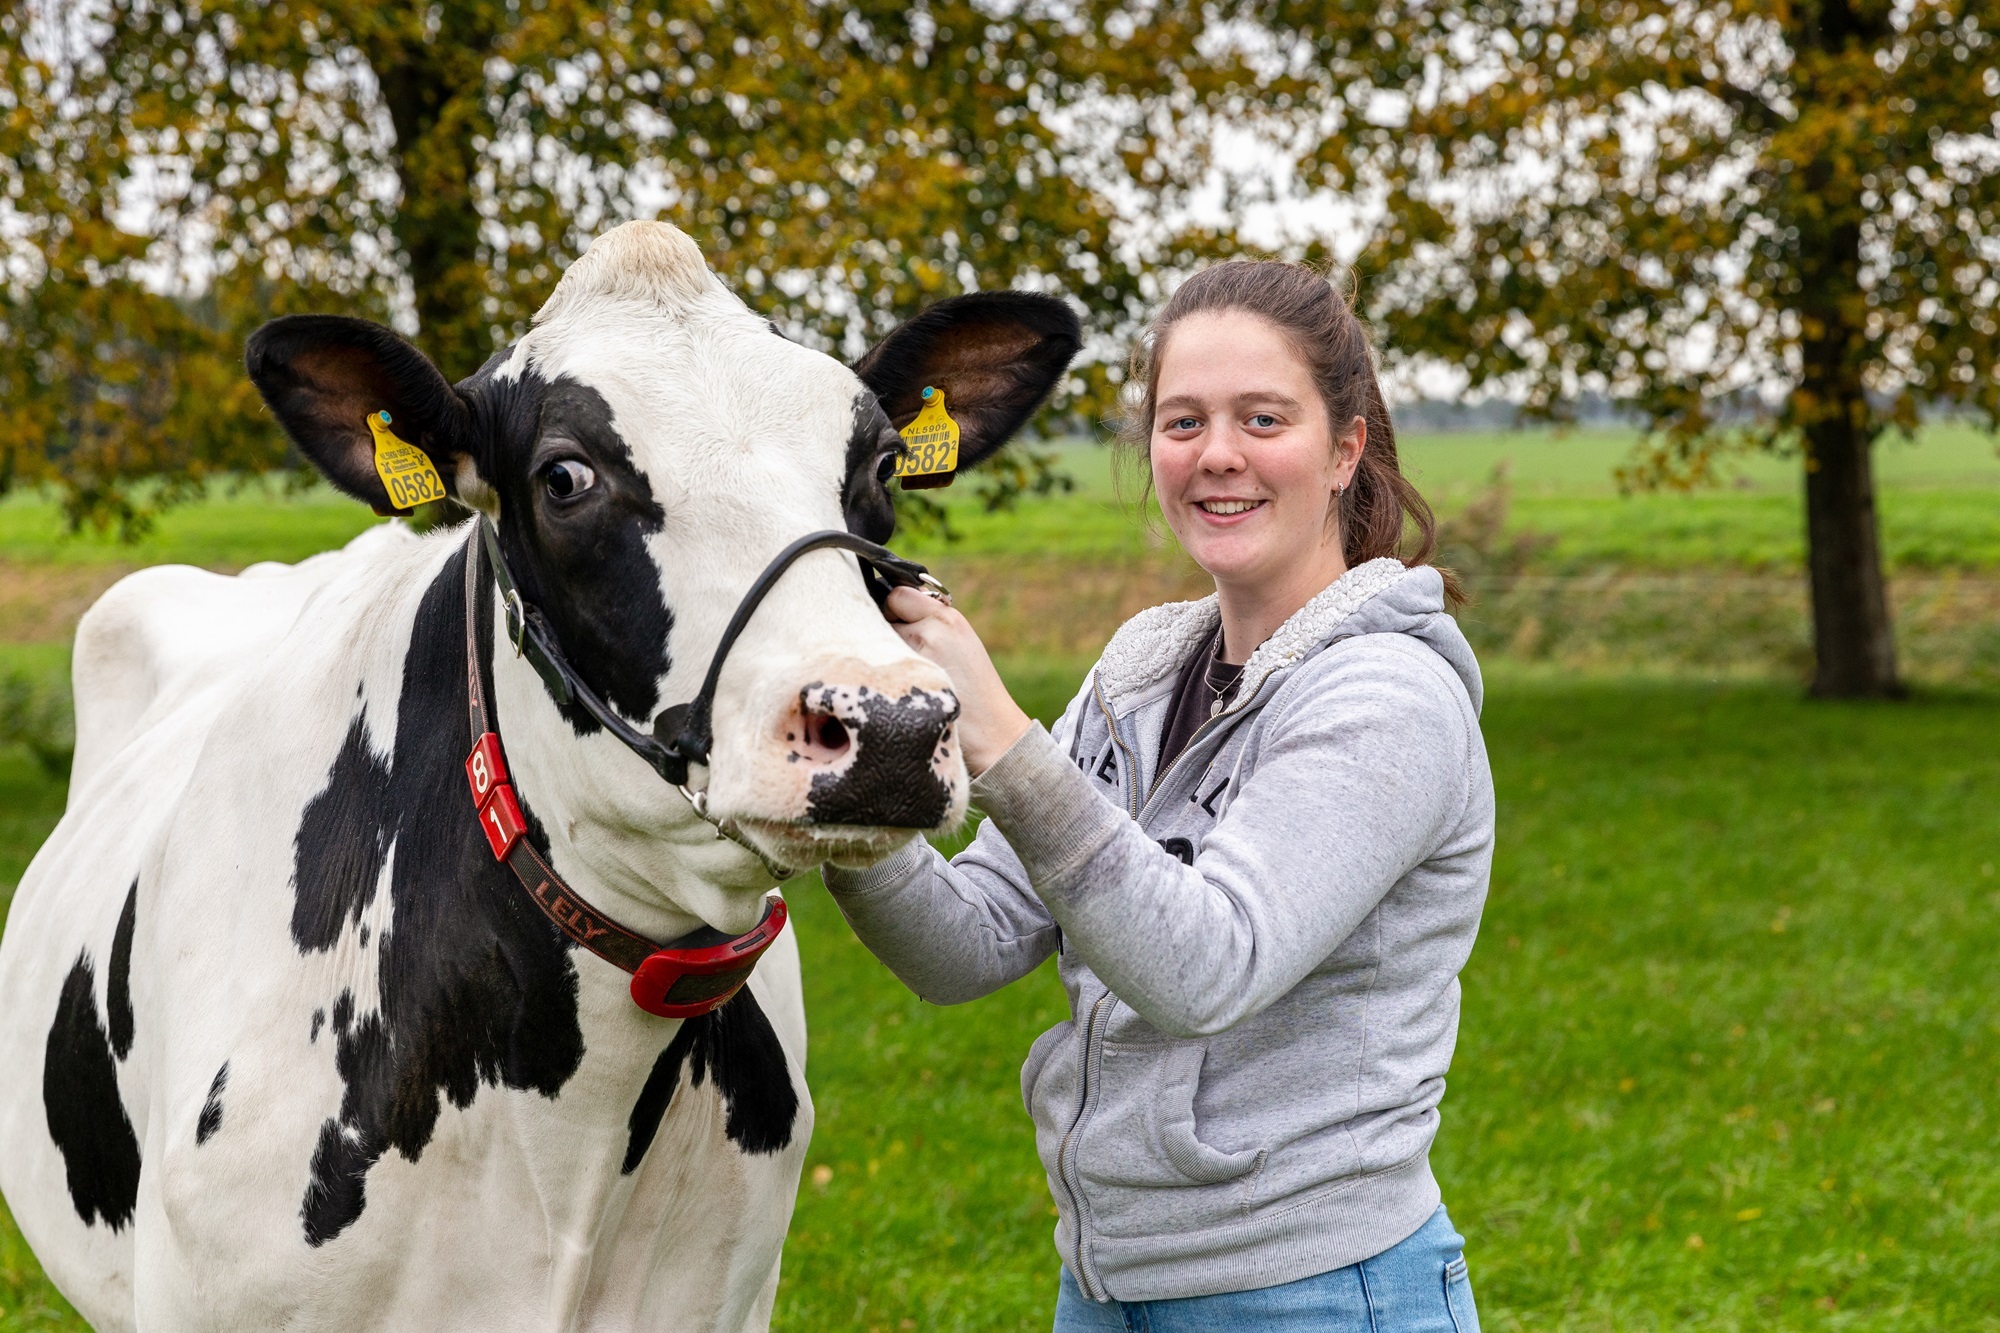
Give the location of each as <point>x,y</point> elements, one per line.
<point>484,768</point>
<point>501,819</point>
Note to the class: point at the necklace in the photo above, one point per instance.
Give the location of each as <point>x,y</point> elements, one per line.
<point>1222,691</point>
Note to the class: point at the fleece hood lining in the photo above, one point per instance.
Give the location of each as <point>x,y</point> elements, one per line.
<point>1155,643</point>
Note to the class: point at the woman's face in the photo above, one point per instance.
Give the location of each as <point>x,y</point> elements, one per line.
<point>1243,459</point>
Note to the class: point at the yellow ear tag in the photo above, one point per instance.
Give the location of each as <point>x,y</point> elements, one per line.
<point>930,443</point>
<point>406,471</point>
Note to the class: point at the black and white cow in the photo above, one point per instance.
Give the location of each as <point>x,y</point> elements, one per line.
<point>282,1045</point>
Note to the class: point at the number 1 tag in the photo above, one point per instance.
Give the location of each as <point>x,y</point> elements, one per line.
<point>406,471</point>
<point>930,445</point>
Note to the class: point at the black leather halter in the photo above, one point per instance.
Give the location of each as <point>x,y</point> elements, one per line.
<point>682,733</point>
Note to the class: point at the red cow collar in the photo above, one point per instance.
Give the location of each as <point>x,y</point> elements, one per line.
<point>695,974</point>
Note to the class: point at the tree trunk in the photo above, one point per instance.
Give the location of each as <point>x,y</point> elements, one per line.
<point>436,224</point>
<point>1854,643</point>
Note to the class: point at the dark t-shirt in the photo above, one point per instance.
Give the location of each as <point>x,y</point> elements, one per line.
<point>1206,686</point>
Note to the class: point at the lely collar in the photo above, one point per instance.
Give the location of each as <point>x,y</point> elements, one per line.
<point>691,976</point>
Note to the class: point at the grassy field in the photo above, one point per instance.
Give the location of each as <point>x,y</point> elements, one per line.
<point>1729,1058</point>
<point>1937,506</point>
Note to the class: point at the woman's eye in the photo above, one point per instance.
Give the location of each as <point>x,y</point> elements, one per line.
<point>568,478</point>
<point>1184,423</point>
<point>1263,421</point>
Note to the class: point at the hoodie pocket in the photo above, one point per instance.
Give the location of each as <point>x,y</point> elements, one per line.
<point>1144,1133</point>
<point>1045,1046</point>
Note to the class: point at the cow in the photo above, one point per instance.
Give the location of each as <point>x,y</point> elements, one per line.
<point>286,1043</point>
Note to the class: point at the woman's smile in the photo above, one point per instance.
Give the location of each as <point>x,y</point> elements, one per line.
<point>1226,511</point>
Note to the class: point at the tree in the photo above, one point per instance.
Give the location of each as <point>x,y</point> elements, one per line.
<point>1759,225</point>
<point>172,172</point>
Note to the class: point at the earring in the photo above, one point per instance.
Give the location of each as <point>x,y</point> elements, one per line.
<point>1339,489</point>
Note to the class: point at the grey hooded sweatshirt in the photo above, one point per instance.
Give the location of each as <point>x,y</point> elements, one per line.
<point>1261,944</point>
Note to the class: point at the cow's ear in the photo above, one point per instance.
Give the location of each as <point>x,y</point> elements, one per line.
<point>995,355</point>
<point>324,375</point>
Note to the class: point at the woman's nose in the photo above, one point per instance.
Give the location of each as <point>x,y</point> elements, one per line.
<point>1222,450</point>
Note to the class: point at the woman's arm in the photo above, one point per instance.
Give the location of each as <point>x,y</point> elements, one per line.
<point>951,931</point>
<point>955,930</point>
<point>1361,779</point>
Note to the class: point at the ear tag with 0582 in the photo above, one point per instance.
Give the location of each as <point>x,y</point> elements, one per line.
<point>407,473</point>
<point>930,445</point>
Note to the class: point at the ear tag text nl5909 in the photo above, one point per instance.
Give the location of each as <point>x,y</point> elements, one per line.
<point>930,444</point>
<point>406,471</point>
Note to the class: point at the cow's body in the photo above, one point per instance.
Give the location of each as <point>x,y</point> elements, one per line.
<point>284,1046</point>
<point>533,1160</point>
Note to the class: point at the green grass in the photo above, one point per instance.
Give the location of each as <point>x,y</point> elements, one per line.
<point>1734,982</point>
<point>1939,505</point>
<point>1940,509</point>
<point>235,526</point>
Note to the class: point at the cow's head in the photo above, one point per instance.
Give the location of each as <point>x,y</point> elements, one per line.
<point>645,450</point>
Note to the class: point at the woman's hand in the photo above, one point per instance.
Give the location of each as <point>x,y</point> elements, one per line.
<point>989,720</point>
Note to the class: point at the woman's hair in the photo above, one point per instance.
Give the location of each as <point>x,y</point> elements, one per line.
<point>1329,338</point>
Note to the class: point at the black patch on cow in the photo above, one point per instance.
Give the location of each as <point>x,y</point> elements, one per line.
<point>210,1119</point>
<point>581,561</point>
<point>341,844</point>
<point>872,450</point>
<point>338,1188</point>
<point>739,1047</point>
<point>890,782</point>
<point>319,1021</point>
<point>476,986</point>
<point>86,1118</point>
<point>118,985</point>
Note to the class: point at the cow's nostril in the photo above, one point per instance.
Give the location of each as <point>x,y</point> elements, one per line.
<point>829,731</point>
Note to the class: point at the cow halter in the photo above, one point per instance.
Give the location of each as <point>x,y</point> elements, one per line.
<point>684,733</point>
<point>699,972</point>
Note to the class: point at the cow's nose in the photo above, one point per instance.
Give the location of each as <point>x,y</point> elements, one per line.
<point>877,758</point>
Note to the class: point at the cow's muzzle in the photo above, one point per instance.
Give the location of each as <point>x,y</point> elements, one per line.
<point>876,759</point>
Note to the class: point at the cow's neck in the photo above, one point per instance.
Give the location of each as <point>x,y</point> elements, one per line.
<point>625,839</point>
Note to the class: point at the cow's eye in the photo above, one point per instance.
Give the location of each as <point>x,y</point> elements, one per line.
<point>568,478</point>
<point>886,468</point>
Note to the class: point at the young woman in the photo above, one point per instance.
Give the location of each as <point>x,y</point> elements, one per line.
<point>1257,841</point>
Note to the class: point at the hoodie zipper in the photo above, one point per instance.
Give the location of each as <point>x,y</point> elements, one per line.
<point>1066,1160</point>
<point>1093,1026</point>
<point>1131,760</point>
<point>1092,1030</point>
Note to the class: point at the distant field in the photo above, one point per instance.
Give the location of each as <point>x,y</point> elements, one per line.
<point>234,527</point>
<point>1940,509</point>
<point>1940,505</point>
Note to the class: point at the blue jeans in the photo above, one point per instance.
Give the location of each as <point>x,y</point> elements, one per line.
<point>1418,1286</point>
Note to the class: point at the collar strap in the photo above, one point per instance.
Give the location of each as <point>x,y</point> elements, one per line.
<point>693,975</point>
<point>684,733</point>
